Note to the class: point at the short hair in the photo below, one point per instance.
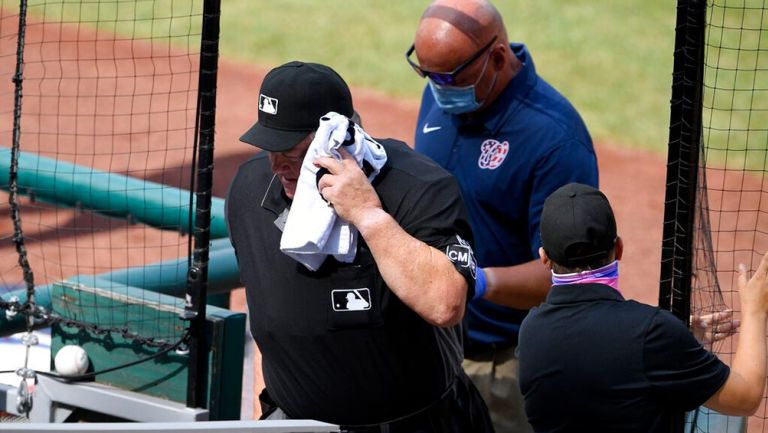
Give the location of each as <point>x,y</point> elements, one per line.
<point>593,264</point>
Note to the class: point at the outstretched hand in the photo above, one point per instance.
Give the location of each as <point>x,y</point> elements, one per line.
<point>713,327</point>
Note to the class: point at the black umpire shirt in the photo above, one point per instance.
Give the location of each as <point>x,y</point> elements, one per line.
<point>591,361</point>
<point>323,358</point>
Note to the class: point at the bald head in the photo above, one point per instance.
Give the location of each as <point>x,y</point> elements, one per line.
<point>467,34</point>
<point>476,21</point>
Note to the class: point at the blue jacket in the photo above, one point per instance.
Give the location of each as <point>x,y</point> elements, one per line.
<point>526,144</point>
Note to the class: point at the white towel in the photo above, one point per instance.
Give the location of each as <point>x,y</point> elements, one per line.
<point>313,231</point>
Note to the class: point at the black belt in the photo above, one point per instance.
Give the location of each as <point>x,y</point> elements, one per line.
<point>416,421</point>
<point>459,410</point>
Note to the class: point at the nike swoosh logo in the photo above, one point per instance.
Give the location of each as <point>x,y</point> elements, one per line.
<point>427,129</point>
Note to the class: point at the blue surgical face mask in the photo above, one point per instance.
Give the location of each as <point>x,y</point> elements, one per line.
<point>458,99</point>
<point>455,100</point>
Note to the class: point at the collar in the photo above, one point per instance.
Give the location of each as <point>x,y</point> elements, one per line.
<point>571,293</point>
<point>521,84</point>
<point>274,199</point>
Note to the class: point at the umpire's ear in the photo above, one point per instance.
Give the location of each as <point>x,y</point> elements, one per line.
<point>618,248</point>
<point>544,258</point>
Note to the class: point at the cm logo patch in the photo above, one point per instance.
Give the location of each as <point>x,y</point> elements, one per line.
<point>461,255</point>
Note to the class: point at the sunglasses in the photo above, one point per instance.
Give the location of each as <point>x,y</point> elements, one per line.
<point>445,78</point>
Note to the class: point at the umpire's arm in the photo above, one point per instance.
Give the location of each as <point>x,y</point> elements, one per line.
<point>424,278</point>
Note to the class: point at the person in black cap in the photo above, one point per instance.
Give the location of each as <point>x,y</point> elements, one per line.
<point>391,361</point>
<point>591,361</point>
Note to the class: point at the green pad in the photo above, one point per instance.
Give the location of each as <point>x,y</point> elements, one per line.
<point>149,314</point>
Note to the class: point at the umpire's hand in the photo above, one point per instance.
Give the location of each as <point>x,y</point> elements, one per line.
<point>346,188</point>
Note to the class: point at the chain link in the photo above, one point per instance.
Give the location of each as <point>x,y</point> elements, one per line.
<point>43,316</point>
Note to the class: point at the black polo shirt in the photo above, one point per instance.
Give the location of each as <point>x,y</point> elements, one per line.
<point>591,361</point>
<point>321,358</point>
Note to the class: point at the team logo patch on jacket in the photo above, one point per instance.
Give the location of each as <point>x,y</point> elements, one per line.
<point>492,154</point>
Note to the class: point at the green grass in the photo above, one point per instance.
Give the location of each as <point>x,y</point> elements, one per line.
<point>735,115</point>
<point>612,59</point>
<point>170,21</point>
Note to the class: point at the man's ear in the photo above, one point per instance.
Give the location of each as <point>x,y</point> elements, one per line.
<point>499,58</point>
<point>544,258</point>
<point>619,249</point>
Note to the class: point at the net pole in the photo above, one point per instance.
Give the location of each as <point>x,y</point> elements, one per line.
<point>685,134</point>
<point>683,158</point>
<point>198,271</point>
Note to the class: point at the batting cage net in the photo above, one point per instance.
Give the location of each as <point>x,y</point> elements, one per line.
<point>716,215</point>
<point>103,133</point>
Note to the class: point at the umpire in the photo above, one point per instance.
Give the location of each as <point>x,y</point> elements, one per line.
<point>392,363</point>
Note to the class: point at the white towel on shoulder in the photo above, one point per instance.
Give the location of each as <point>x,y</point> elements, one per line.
<point>313,231</point>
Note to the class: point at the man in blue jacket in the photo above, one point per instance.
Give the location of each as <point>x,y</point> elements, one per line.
<point>510,139</point>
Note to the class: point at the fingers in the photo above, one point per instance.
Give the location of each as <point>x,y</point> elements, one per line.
<point>742,280</point>
<point>345,155</point>
<point>334,165</point>
<point>712,327</point>
<point>329,163</point>
<point>720,316</point>
<point>331,167</point>
<point>761,273</point>
<point>726,327</point>
<point>762,269</point>
<point>717,317</point>
<point>326,181</point>
<point>724,331</point>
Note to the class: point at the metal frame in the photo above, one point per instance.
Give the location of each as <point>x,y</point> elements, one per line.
<point>197,276</point>
<point>683,158</point>
<point>54,401</point>
<point>291,426</point>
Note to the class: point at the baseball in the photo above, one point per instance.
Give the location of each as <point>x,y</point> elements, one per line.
<point>71,360</point>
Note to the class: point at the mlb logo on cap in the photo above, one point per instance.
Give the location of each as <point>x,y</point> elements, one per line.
<point>267,104</point>
<point>306,92</point>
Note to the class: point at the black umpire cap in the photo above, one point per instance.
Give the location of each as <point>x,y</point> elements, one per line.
<point>292,99</point>
<point>577,225</point>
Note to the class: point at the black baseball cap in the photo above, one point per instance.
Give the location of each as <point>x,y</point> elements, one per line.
<point>577,225</point>
<point>292,99</point>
